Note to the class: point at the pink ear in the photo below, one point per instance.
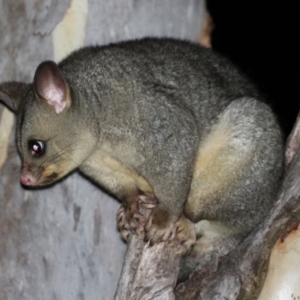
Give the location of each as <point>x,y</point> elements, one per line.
<point>50,85</point>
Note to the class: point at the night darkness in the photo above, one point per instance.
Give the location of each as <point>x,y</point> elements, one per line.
<point>260,37</point>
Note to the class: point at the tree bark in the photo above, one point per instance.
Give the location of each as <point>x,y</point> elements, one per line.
<point>149,272</point>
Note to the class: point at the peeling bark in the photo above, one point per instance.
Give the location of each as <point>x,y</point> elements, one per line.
<point>293,143</point>
<point>149,272</point>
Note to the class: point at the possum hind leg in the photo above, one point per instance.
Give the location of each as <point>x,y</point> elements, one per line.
<point>236,176</point>
<point>238,167</point>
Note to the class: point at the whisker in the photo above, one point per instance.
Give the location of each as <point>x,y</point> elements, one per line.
<point>53,158</point>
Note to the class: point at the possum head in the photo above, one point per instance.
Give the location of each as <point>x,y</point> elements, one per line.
<point>52,138</point>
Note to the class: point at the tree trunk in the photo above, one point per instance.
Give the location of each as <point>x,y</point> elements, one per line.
<point>61,242</point>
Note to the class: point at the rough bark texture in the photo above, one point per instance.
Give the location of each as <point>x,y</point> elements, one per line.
<point>293,143</point>
<point>149,272</point>
<point>61,242</point>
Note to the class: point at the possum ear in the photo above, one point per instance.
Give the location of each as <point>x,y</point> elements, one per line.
<point>11,93</point>
<point>50,85</point>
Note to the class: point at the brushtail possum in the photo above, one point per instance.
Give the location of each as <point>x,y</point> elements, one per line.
<point>159,122</point>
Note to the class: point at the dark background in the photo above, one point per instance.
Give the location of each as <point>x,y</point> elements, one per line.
<point>260,37</point>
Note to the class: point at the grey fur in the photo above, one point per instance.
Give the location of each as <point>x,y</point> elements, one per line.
<point>150,105</point>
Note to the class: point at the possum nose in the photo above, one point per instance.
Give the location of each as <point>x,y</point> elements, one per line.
<point>27,179</point>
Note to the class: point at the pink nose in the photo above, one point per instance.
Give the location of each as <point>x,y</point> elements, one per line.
<point>27,179</point>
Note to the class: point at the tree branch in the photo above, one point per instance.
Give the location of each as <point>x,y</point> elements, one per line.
<point>293,143</point>
<point>149,272</point>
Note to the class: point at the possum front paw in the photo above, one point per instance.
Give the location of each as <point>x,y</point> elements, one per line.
<point>159,226</point>
<point>163,227</point>
<point>144,215</point>
<point>132,216</point>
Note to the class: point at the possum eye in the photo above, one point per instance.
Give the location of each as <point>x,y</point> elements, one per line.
<point>36,148</point>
